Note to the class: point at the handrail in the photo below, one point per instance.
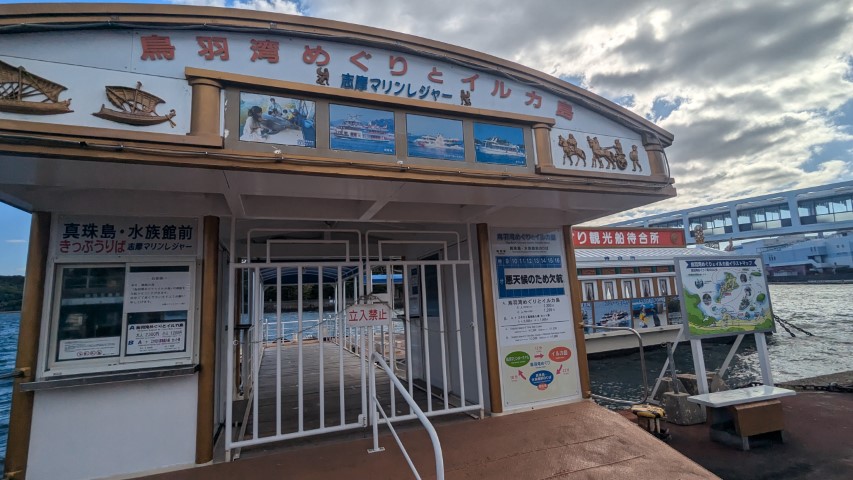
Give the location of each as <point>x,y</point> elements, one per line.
<point>642,367</point>
<point>433,436</point>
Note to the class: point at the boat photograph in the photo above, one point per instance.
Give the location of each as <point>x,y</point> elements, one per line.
<point>361,129</point>
<point>433,137</point>
<point>499,144</point>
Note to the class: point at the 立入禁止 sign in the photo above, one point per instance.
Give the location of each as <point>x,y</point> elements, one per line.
<point>368,315</point>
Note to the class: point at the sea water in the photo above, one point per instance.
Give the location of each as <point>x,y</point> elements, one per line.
<point>823,310</point>
<point>9,325</point>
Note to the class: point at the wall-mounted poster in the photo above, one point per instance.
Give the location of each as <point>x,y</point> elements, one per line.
<point>724,297</point>
<point>157,306</point>
<point>571,150</point>
<point>499,144</point>
<point>279,120</point>
<point>613,313</point>
<point>433,137</point>
<point>648,312</point>
<point>359,129</point>
<point>536,340</point>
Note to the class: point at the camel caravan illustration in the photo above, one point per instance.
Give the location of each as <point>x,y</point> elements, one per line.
<point>613,155</point>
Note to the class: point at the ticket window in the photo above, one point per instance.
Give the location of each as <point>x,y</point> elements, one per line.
<point>109,317</point>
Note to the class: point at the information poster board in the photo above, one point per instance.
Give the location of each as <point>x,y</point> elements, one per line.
<point>536,338</point>
<point>157,310</point>
<point>723,297</point>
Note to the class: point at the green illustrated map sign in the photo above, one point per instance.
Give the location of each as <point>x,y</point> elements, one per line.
<point>724,296</point>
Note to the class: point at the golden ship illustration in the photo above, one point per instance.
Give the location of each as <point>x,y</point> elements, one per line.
<point>23,92</point>
<point>137,107</point>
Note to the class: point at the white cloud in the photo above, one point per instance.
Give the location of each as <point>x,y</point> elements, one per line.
<point>16,240</point>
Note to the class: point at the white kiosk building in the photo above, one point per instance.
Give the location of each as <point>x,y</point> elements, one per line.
<point>222,199</point>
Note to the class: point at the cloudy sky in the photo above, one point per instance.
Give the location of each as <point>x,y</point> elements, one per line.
<point>759,93</point>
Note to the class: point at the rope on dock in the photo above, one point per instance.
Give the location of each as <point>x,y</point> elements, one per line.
<point>785,324</point>
<point>786,328</point>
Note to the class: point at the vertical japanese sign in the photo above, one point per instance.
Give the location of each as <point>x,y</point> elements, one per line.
<point>114,236</point>
<point>536,339</point>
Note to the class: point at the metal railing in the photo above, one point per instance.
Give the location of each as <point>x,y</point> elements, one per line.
<point>375,407</point>
<point>642,368</point>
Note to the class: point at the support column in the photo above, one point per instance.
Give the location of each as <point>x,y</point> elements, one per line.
<point>542,138</point>
<point>207,343</point>
<point>575,297</point>
<point>489,321</point>
<point>204,120</point>
<point>657,158</point>
<point>21,415</point>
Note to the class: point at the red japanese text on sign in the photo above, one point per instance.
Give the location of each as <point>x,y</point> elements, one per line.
<point>155,47</point>
<point>265,50</point>
<point>627,237</point>
<point>564,110</point>
<point>212,47</point>
<point>311,55</point>
<point>366,315</point>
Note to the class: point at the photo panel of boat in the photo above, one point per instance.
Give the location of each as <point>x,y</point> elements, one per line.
<point>434,137</point>
<point>359,129</point>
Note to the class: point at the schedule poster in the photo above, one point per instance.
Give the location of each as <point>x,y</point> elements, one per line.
<point>536,339</point>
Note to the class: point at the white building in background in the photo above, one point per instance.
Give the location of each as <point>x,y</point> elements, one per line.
<point>794,257</point>
<point>799,232</point>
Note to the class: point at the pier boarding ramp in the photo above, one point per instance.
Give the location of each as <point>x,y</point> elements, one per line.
<point>297,368</point>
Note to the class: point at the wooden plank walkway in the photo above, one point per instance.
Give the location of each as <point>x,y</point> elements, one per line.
<point>334,380</point>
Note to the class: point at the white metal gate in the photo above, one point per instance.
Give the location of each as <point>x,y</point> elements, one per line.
<point>297,370</point>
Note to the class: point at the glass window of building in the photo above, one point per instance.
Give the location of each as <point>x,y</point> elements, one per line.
<point>589,291</point>
<point>670,224</point>
<point>838,208</point>
<point>717,224</point>
<point>609,287</point>
<point>763,218</point>
<point>663,286</point>
<point>646,287</point>
<point>627,289</point>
